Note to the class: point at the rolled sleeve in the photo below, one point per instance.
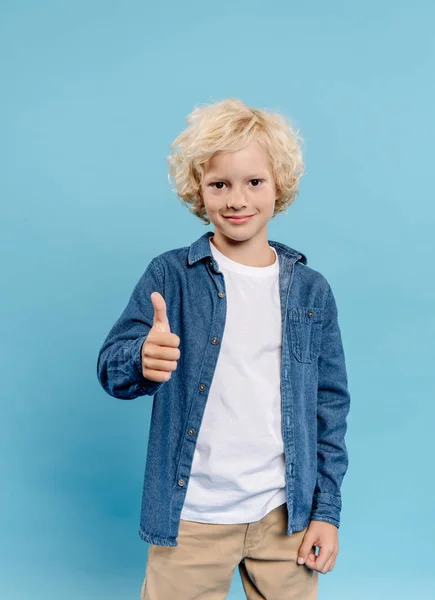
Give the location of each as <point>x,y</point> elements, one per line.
<point>119,364</point>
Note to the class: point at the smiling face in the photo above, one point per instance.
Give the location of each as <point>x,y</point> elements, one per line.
<point>239,184</point>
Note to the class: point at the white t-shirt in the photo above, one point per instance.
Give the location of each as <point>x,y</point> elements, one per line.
<point>238,469</point>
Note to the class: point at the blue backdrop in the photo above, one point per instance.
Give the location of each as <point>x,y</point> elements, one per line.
<point>92,95</point>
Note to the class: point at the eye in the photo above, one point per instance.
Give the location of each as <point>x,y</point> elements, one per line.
<point>218,184</point>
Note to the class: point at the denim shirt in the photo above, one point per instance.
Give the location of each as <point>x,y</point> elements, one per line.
<point>315,396</point>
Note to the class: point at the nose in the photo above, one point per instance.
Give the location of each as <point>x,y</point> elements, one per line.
<point>236,200</point>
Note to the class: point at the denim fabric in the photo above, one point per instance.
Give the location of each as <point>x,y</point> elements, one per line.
<point>315,396</point>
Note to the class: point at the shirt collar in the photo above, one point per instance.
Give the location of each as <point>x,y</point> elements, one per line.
<point>200,249</point>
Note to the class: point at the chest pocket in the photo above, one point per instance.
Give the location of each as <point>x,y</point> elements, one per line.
<point>305,332</point>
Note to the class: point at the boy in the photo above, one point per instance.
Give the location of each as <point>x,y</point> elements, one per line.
<point>238,341</point>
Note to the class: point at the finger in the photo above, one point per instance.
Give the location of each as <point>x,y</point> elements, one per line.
<point>329,564</point>
<point>310,561</point>
<point>158,364</point>
<point>156,349</point>
<point>156,375</point>
<point>163,339</point>
<point>323,557</point>
<point>306,547</point>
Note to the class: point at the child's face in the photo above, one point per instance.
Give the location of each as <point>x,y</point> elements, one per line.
<point>240,183</point>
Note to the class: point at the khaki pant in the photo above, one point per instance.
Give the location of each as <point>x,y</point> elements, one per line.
<point>201,566</point>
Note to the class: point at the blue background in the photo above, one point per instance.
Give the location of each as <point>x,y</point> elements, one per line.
<point>92,95</point>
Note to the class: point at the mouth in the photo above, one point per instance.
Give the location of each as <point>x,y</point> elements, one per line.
<point>239,219</point>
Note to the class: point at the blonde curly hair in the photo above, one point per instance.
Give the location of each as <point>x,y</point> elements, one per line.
<point>227,126</point>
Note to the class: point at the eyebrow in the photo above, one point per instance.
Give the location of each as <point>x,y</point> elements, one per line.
<point>253,176</point>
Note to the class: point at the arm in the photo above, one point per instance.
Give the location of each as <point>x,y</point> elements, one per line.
<point>333,403</point>
<point>119,365</point>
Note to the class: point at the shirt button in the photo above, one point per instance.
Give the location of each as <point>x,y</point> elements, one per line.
<point>310,314</point>
<point>214,340</point>
<point>221,294</point>
<point>201,387</point>
<point>191,432</point>
<point>181,482</point>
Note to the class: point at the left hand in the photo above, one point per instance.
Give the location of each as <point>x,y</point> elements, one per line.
<point>325,536</point>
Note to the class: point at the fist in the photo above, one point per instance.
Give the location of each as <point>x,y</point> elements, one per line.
<point>160,351</point>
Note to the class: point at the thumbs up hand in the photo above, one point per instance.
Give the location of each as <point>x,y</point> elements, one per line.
<point>160,351</point>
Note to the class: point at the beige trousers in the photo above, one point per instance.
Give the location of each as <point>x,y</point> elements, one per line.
<point>201,566</point>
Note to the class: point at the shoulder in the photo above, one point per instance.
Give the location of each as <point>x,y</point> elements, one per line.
<point>172,260</point>
<point>303,270</point>
<point>310,285</point>
<point>301,264</point>
<point>169,256</point>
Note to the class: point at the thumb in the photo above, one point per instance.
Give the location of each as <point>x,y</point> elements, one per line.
<point>305,549</point>
<point>160,322</point>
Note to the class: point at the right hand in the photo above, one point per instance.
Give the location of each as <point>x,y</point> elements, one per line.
<point>160,349</point>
